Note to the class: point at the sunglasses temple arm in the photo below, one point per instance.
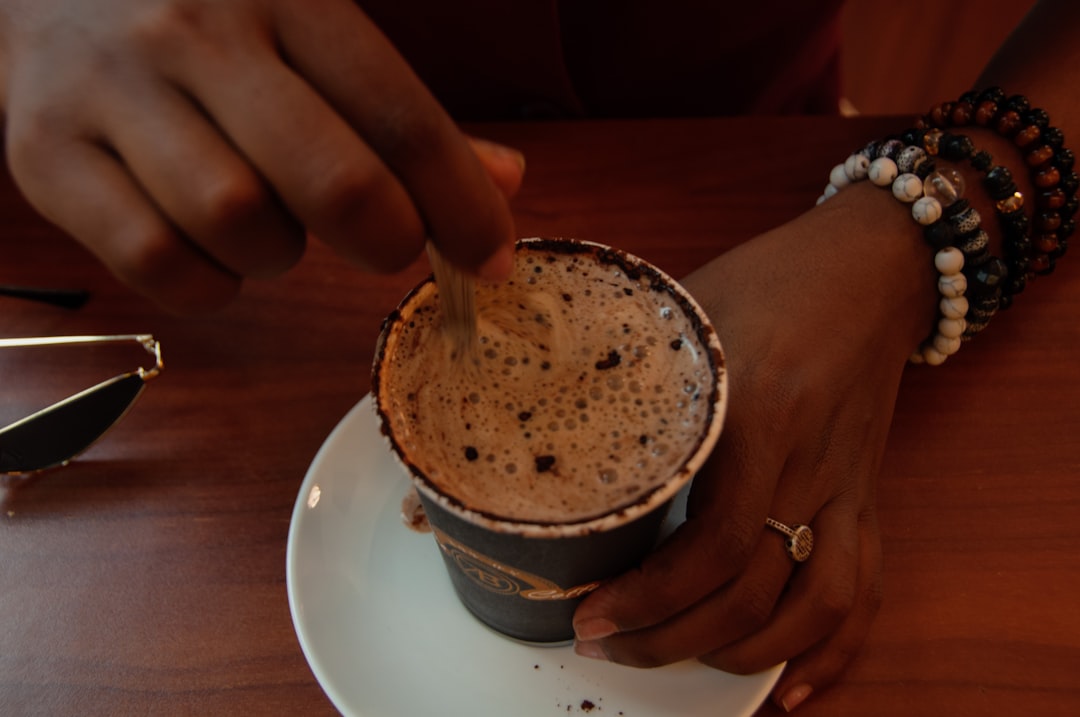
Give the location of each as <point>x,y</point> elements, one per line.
<point>147,341</point>
<point>64,298</point>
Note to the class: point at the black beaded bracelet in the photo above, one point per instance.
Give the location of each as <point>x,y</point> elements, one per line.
<point>1050,163</point>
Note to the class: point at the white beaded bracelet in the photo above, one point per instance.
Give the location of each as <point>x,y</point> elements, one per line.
<point>928,199</point>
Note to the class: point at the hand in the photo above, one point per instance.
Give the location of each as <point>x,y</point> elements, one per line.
<point>192,143</point>
<point>817,323</point>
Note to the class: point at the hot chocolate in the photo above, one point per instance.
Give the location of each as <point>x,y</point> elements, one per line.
<point>592,383</point>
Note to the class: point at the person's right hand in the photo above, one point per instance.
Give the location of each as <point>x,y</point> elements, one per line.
<point>192,143</point>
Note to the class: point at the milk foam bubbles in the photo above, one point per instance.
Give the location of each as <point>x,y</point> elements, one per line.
<point>592,384</point>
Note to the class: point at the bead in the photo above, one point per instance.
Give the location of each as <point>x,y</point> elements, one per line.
<point>982,161</point>
<point>945,345</point>
<point>1008,123</point>
<point>830,190</point>
<point>1018,103</point>
<point>953,307</point>
<point>966,221</point>
<point>985,112</point>
<point>913,136</point>
<point>1053,137</point>
<point>951,328</point>
<point>1064,159</point>
<point>856,166</point>
<point>1026,136</point>
<point>1037,117</point>
<point>1045,243</point>
<point>882,172</point>
<point>939,114</point>
<point>926,210</point>
<point>946,185</point>
<point>907,187</point>
<point>1050,199</point>
<point>932,356</point>
<point>1047,177</point>
<point>1047,221</point>
<point>956,147</point>
<point>952,285</point>
<point>1015,224</point>
<point>998,179</point>
<point>949,260</point>
<point>1070,182</point>
<point>890,148</point>
<point>838,177</point>
<point>932,141</point>
<point>989,274</point>
<point>1039,156</point>
<point>909,159</point>
<point>974,243</point>
<point>938,235</point>
<point>1014,202</point>
<point>993,94</point>
<point>962,113</point>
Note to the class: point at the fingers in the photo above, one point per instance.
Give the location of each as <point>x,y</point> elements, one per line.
<point>223,133</point>
<point>819,596</point>
<point>715,544</point>
<point>84,190</point>
<point>382,100</point>
<point>327,177</point>
<point>723,617</point>
<point>200,183</point>
<point>825,662</point>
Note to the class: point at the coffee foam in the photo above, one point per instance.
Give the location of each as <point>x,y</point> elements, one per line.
<point>591,386</point>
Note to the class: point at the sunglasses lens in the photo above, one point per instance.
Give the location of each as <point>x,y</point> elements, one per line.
<point>53,436</point>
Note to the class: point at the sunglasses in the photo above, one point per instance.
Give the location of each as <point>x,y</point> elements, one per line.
<point>56,434</point>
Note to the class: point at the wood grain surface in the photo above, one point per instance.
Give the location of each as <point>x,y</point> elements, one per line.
<point>148,577</point>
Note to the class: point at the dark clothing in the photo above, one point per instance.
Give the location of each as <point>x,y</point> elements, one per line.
<point>507,59</point>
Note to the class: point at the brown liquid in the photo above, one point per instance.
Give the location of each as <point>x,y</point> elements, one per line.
<point>590,388</point>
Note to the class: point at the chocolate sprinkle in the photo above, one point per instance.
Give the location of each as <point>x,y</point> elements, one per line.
<point>544,463</point>
<point>471,454</point>
<point>613,359</point>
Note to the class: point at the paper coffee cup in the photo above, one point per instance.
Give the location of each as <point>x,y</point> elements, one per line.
<point>546,458</point>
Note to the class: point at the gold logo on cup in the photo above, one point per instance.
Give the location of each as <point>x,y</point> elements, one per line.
<point>495,577</point>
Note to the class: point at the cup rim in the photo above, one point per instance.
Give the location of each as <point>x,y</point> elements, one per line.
<point>643,504</point>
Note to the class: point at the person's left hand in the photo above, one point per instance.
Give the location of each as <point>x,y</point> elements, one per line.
<point>816,325</point>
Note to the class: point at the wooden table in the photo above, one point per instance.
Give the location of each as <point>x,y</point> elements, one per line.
<point>148,577</point>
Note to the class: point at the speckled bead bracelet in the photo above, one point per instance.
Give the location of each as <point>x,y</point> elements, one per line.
<point>937,205</point>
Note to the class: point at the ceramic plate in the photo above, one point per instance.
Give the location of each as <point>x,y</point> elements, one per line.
<point>385,635</point>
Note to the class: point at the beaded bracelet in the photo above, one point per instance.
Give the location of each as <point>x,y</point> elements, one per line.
<point>1050,162</point>
<point>937,205</point>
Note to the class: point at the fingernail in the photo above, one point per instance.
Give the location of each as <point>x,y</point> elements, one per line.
<point>795,696</point>
<point>499,265</point>
<point>596,628</point>
<point>591,650</point>
<point>502,151</point>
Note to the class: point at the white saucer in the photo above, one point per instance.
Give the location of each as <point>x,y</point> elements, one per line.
<point>385,635</point>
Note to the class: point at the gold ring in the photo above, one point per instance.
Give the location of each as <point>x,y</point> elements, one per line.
<point>800,539</point>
